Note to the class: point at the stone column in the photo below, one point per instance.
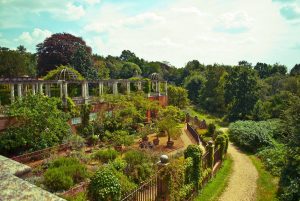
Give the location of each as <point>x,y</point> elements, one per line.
<point>162,182</point>
<point>12,93</point>
<point>158,86</point>
<point>61,89</point>
<point>83,90</point>
<point>139,86</point>
<point>20,90</point>
<point>115,88</point>
<point>100,88</point>
<point>47,90</point>
<point>128,87</point>
<point>166,88</point>
<point>25,89</point>
<point>33,89</point>
<point>65,89</point>
<point>41,88</point>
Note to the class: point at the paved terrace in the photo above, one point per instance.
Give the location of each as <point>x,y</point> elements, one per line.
<point>14,188</point>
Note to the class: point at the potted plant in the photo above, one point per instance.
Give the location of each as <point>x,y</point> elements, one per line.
<point>121,138</point>
<point>156,140</point>
<point>169,125</point>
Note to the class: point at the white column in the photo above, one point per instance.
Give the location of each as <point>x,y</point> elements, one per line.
<point>83,89</point>
<point>65,89</point>
<point>158,83</point>
<point>115,88</point>
<point>166,88</point>
<point>12,93</point>
<point>20,90</point>
<point>87,89</point>
<point>41,88</point>
<point>33,89</point>
<point>100,88</point>
<point>61,90</point>
<point>128,87</point>
<point>139,86</point>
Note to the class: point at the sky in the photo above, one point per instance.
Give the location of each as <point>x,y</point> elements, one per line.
<point>177,31</point>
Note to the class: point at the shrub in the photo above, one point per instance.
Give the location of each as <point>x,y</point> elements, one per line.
<point>106,155</point>
<point>64,173</point>
<point>76,141</point>
<point>139,166</point>
<point>211,128</point>
<point>273,159</point>
<point>127,185</point>
<point>57,180</point>
<point>252,135</point>
<point>118,164</point>
<point>195,153</point>
<point>104,185</point>
<point>121,137</point>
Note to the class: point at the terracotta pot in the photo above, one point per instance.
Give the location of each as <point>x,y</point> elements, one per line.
<point>118,148</point>
<point>145,139</point>
<point>156,141</point>
<point>170,144</point>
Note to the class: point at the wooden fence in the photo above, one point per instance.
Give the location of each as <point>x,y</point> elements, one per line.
<point>40,154</point>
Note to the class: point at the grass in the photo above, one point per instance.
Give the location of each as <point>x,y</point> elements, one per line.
<point>213,190</point>
<point>267,184</point>
<point>208,118</point>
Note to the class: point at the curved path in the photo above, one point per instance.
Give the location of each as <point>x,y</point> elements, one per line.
<point>242,182</point>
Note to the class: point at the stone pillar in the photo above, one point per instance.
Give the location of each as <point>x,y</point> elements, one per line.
<point>156,87</point>
<point>115,88</point>
<point>12,93</point>
<point>100,88</point>
<point>211,150</point>
<point>83,90</point>
<point>61,89</point>
<point>139,86</point>
<point>166,88</point>
<point>128,87</point>
<point>20,90</point>
<point>65,89</point>
<point>41,88</point>
<point>158,83</point>
<point>25,89</point>
<point>47,89</point>
<point>33,89</point>
<point>162,182</point>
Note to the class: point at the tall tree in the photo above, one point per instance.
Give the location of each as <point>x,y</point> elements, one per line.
<point>177,96</point>
<point>241,92</point>
<point>57,50</point>
<point>194,83</point>
<point>212,94</point>
<point>263,70</point>
<point>279,68</point>
<point>295,70</point>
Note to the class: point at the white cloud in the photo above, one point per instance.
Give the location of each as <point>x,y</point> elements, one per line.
<point>33,38</point>
<point>74,12</point>
<point>235,22</point>
<point>92,2</point>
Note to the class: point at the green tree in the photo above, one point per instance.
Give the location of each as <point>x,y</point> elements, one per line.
<point>241,92</point>
<point>177,96</point>
<point>194,83</point>
<point>289,189</point>
<point>263,69</point>
<point>278,68</point>
<point>295,70</point>
<point>129,70</point>
<point>212,94</point>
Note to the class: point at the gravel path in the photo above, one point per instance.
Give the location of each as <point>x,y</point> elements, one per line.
<point>242,183</point>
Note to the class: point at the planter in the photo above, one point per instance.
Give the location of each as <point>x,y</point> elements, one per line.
<point>145,139</point>
<point>156,141</point>
<point>170,144</point>
<point>118,148</point>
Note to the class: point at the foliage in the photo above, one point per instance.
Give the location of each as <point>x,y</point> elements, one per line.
<point>15,63</point>
<point>195,153</point>
<point>76,141</point>
<point>194,83</point>
<point>118,164</point>
<point>241,92</point>
<point>139,166</point>
<point>295,70</point>
<point>121,137</point>
<point>55,73</point>
<point>177,96</point>
<point>273,159</point>
<point>252,135</point>
<point>104,185</point>
<point>211,128</point>
<point>58,49</point>
<point>64,173</point>
<point>40,124</point>
<point>106,155</point>
<point>289,180</point>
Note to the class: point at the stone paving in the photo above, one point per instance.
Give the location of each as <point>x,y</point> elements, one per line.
<point>14,188</point>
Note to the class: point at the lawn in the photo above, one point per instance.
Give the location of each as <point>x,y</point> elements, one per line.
<point>266,184</point>
<point>216,186</point>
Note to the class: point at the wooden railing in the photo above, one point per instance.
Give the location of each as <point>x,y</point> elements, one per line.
<point>193,132</point>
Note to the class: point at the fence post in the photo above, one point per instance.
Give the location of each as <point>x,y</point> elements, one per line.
<point>162,182</point>
<point>211,152</point>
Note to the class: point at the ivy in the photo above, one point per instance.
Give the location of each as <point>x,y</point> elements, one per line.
<point>195,153</point>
